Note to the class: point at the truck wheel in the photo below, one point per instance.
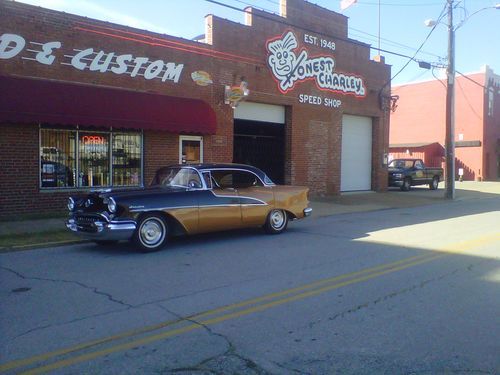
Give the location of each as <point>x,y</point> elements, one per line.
<point>435,183</point>
<point>406,184</point>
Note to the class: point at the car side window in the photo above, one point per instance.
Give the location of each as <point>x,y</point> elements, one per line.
<point>208,179</point>
<point>242,179</point>
<point>178,177</point>
<point>418,165</point>
<point>235,179</point>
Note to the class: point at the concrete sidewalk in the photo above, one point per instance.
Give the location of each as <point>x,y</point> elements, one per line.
<point>324,206</point>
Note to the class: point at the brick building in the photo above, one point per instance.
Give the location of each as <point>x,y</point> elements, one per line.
<point>420,119</point>
<point>88,104</point>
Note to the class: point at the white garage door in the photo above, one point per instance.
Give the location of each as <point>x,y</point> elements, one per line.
<point>356,162</point>
<point>260,112</point>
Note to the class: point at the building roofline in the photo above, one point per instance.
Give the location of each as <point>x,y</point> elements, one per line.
<point>485,69</point>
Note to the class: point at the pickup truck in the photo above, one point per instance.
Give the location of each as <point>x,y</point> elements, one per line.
<point>405,173</point>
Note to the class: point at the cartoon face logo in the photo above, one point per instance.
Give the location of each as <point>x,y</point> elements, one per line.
<point>289,67</point>
<point>281,57</point>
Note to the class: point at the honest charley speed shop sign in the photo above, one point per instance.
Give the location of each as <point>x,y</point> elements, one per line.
<point>11,45</point>
<point>290,66</point>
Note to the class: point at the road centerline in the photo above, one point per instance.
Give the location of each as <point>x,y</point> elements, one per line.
<point>228,312</point>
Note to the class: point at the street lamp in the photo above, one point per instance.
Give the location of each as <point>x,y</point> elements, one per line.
<point>450,98</point>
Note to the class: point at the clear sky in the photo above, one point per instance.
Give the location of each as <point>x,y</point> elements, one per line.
<point>402,26</point>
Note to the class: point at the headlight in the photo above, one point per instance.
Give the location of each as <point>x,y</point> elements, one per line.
<point>111,205</point>
<point>71,204</point>
<point>397,175</point>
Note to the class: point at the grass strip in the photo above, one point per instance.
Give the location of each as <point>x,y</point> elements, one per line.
<point>15,241</point>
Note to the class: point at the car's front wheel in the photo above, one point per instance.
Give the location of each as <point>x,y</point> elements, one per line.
<point>276,222</point>
<point>152,233</point>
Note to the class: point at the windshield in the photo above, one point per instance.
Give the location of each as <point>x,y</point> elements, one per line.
<point>397,163</point>
<point>177,177</point>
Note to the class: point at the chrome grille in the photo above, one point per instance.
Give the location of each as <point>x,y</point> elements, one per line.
<point>87,219</point>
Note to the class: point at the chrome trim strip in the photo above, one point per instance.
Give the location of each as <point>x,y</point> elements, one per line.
<point>260,203</point>
<point>182,207</point>
<point>239,196</point>
<point>161,208</point>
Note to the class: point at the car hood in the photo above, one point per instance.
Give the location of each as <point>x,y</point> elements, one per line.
<point>97,200</point>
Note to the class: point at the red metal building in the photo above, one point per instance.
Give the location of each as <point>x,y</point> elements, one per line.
<point>420,119</point>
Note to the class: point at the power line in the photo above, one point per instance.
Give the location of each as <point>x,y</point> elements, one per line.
<point>438,79</point>
<point>398,4</point>
<point>388,41</point>
<point>467,99</point>
<point>419,48</point>
<point>312,31</point>
<point>470,79</point>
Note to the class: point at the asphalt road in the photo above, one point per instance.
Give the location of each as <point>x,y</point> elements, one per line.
<point>407,291</point>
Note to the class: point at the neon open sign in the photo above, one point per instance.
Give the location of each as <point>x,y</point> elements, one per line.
<point>93,140</point>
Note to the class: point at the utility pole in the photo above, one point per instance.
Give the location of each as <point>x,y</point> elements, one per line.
<point>450,109</point>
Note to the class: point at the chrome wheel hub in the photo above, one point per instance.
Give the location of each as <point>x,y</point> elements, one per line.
<point>277,219</point>
<point>152,232</point>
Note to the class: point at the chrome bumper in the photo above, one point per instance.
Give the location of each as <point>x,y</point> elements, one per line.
<point>308,211</point>
<point>101,230</point>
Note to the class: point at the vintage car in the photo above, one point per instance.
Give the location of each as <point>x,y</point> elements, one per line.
<point>187,199</point>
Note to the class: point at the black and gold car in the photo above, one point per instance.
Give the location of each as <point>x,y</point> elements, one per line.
<point>188,199</point>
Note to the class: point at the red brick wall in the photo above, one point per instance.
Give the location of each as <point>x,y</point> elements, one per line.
<point>19,174</point>
<point>238,52</point>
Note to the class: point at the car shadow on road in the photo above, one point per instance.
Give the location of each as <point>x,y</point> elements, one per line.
<point>177,243</point>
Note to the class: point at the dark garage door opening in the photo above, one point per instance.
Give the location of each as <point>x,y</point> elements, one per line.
<point>261,144</point>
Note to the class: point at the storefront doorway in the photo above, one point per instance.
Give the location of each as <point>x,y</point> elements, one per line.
<point>259,138</point>
<point>190,149</point>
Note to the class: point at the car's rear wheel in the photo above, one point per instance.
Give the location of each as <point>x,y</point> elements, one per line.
<point>276,222</point>
<point>435,183</point>
<point>152,233</point>
<point>406,184</point>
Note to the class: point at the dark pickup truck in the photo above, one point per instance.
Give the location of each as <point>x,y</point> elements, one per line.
<point>405,173</point>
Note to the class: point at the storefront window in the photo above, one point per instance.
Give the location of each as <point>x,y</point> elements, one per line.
<point>94,159</point>
<point>57,158</point>
<point>64,165</point>
<point>126,159</point>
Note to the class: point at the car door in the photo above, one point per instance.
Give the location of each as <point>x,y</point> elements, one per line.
<point>219,206</point>
<point>256,199</point>
<point>419,172</point>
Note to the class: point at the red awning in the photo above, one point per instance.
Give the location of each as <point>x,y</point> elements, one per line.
<point>44,101</point>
